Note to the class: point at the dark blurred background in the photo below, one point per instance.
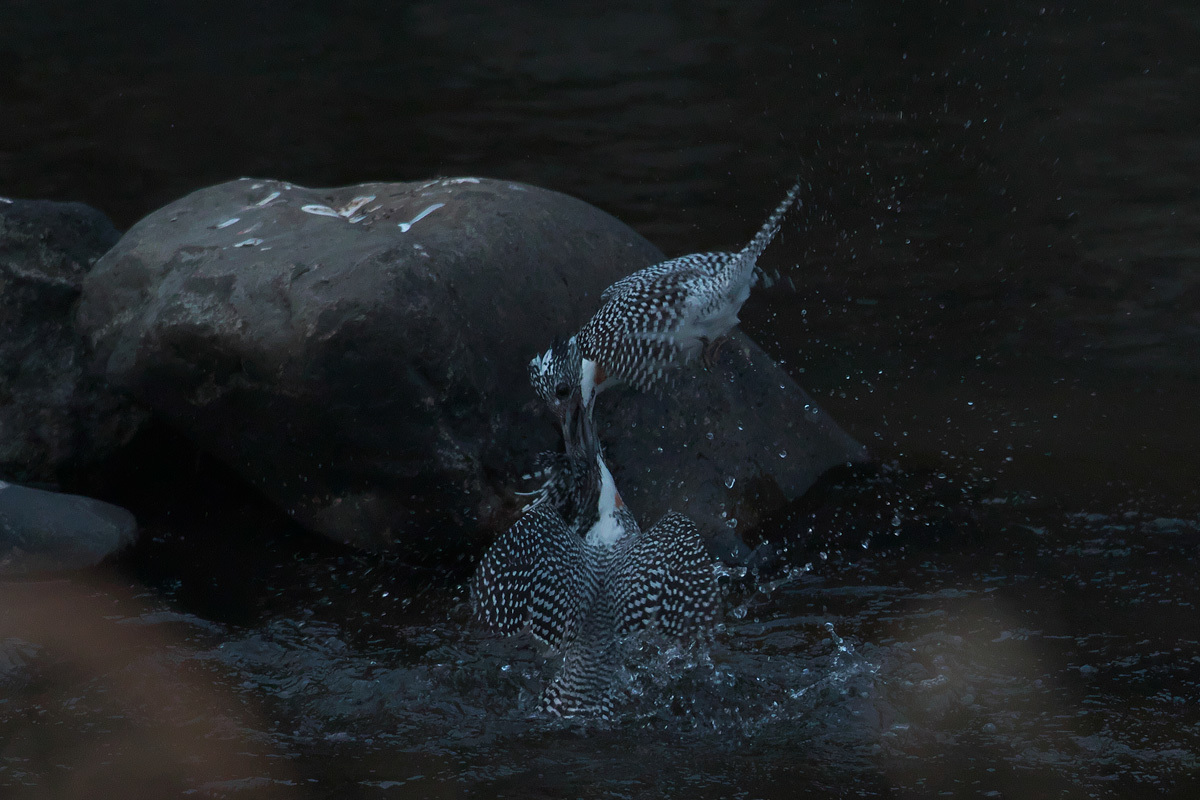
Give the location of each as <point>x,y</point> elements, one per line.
<point>995,268</point>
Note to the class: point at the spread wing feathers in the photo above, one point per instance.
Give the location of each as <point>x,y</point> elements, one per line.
<point>536,575</point>
<point>664,580</point>
<point>583,599</point>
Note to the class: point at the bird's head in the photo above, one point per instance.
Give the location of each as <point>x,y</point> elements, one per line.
<point>555,376</point>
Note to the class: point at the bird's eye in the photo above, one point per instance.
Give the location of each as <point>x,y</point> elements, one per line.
<point>562,390</point>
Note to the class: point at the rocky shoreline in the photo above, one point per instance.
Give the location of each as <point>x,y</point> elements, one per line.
<point>357,355</point>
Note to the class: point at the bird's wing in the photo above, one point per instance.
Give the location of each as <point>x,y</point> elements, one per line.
<point>537,574</point>
<point>710,263</point>
<point>664,580</point>
<point>642,333</point>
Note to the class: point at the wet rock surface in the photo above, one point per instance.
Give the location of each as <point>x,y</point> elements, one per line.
<point>42,530</point>
<point>359,355</point>
<point>53,415</point>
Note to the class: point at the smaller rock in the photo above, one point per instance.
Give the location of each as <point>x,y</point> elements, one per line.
<point>54,417</point>
<point>41,530</point>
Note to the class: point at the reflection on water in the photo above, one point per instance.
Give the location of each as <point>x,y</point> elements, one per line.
<point>996,290</point>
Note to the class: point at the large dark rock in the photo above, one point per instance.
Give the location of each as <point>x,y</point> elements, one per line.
<point>52,414</point>
<point>363,360</point>
<point>42,530</point>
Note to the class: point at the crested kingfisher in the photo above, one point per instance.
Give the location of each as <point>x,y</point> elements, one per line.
<point>582,582</point>
<point>655,319</point>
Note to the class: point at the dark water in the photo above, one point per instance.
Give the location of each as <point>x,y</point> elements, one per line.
<point>997,289</point>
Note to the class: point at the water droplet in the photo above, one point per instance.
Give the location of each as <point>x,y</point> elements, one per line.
<point>783,453</point>
<point>730,481</point>
<point>709,436</point>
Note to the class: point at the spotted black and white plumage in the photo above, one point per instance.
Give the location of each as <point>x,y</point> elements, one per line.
<point>665,314</point>
<point>570,480</point>
<point>582,594</point>
<point>568,486</point>
<point>532,577</point>
<point>555,374</point>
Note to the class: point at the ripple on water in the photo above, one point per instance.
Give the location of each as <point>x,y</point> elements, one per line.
<point>1047,658</point>
<point>967,664</point>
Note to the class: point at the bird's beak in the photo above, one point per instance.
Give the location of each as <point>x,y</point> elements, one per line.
<point>579,434</point>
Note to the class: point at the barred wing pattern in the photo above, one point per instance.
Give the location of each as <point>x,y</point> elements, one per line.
<point>532,577</point>
<point>634,282</point>
<point>664,580</point>
<point>583,598</point>
<point>664,314</point>
<point>650,326</point>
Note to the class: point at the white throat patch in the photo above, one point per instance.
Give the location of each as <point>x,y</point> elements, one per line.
<point>608,529</point>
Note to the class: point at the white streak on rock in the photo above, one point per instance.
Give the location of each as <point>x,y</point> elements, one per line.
<point>268,199</point>
<point>406,226</point>
<point>359,218</point>
<point>5,200</point>
<point>351,208</point>
<point>320,211</point>
<point>248,243</point>
<point>451,181</point>
<point>228,222</point>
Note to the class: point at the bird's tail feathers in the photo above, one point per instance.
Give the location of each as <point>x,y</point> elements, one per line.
<point>748,256</point>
